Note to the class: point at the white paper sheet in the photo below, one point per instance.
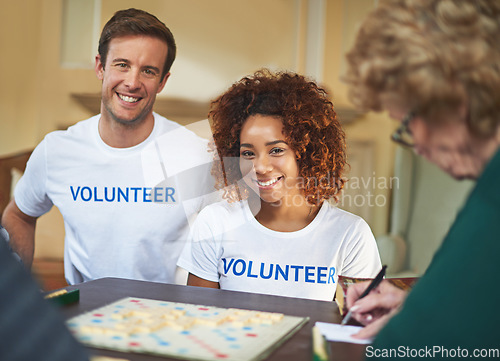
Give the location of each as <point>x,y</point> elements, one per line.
<point>339,333</point>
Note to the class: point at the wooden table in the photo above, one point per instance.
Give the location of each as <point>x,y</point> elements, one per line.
<point>103,291</point>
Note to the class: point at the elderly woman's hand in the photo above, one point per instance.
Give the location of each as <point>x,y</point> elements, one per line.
<point>376,309</point>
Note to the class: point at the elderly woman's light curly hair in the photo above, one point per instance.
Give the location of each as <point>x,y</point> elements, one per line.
<point>434,56</point>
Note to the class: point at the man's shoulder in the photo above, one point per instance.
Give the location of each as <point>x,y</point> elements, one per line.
<point>164,123</point>
<point>177,144</point>
<point>166,126</point>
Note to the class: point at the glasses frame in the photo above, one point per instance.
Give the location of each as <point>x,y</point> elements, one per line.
<point>398,135</point>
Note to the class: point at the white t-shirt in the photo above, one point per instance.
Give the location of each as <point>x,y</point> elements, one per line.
<point>229,246</point>
<point>126,210</point>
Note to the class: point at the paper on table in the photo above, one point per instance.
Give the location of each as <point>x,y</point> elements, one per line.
<point>339,333</point>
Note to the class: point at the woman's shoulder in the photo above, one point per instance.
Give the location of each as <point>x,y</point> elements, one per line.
<point>340,216</point>
<point>334,212</point>
<point>222,210</point>
<point>216,219</point>
<point>347,225</point>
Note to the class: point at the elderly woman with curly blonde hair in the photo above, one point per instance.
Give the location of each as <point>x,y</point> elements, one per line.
<point>434,65</point>
<point>281,156</point>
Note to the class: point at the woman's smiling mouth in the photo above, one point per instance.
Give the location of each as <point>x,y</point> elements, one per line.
<point>269,183</point>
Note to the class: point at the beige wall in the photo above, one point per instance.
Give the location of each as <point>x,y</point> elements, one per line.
<point>343,18</point>
<point>18,74</point>
<point>218,41</point>
<point>35,98</point>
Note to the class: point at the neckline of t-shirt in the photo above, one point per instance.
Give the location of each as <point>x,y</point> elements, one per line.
<point>301,232</point>
<point>123,151</point>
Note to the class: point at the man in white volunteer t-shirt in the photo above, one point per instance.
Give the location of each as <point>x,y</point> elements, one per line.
<point>127,181</point>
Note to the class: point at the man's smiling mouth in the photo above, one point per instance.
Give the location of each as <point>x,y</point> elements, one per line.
<point>128,99</point>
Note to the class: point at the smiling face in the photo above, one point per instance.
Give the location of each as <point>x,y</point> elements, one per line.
<point>267,162</point>
<point>131,78</point>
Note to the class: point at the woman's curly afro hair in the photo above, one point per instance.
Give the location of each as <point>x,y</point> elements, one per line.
<point>310,127</point>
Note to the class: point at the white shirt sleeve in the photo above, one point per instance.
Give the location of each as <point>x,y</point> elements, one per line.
<point>361,256</point>
<point>201,253</point>
<point>31,193</point>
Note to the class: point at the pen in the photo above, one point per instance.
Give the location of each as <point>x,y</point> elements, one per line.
<point>374,283</point>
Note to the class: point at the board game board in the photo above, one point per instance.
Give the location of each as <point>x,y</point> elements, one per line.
<point>185,331</point>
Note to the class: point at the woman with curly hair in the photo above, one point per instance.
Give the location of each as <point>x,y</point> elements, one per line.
<point>281,158</point>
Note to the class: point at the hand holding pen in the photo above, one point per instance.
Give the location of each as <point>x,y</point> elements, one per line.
<point>375,308</point>
<point>373,284</point>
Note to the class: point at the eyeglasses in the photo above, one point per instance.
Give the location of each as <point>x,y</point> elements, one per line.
<point>402,135</point>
